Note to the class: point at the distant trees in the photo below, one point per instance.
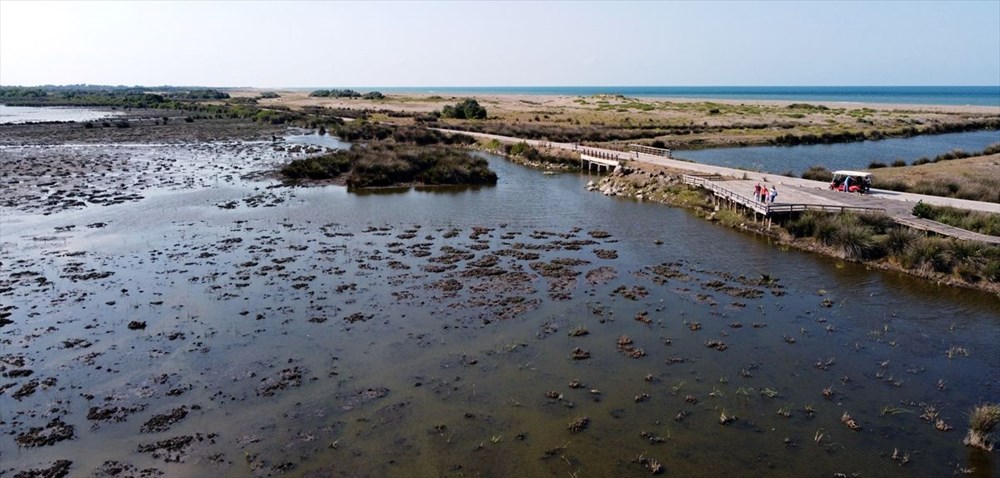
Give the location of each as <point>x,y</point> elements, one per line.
<point>203,94</point>
<point>465,109</point>
<point>346,93</point>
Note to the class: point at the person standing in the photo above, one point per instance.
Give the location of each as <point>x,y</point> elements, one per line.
<point>773,194</point>
<point>763,194</point>
<point>756,193</point>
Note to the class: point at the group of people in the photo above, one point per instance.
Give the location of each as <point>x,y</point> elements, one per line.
<point>763,194</point>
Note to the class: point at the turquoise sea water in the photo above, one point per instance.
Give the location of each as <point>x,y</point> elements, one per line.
<point>930,95</point>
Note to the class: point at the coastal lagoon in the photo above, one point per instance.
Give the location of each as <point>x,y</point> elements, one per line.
<point>216,322</point>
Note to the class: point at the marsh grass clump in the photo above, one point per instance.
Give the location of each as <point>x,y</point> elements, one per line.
<point>899,239</point>
<point>818,173</point>
<point>976,221</point>
<point>857,242</point>
<point>873,236</point>
<point>982,420</point>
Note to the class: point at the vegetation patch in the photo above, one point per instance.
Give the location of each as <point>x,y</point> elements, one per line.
<point>870,237</point>
<point>396,157</point>
<point>953,174</point>
<point>976,221</point>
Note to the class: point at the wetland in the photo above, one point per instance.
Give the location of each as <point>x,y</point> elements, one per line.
<point>170,308</point>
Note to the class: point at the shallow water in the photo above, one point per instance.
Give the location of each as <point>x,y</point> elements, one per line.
<point>35,114</point>
<point>779,159</point>
<point>428,380</point>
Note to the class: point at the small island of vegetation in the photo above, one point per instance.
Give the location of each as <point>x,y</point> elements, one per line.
<point>395,157</point>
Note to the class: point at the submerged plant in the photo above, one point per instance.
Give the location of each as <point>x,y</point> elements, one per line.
<point>981,422</point>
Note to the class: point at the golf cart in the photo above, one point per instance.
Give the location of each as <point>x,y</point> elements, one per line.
<point>851,181</point>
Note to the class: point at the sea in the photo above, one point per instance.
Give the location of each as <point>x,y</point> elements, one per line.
<point>921,95</point>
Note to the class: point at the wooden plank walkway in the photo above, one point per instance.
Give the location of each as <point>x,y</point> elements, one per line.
<point>792,199</point>
<point>796,198</point>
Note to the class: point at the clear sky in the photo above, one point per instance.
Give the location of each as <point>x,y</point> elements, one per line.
<point>481,43</point>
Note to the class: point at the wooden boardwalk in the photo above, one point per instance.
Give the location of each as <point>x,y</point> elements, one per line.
<point>795,198</point>
<point>794,194</point>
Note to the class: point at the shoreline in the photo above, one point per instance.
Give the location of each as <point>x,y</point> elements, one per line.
<point>553,97</point>
<point>653,183</point>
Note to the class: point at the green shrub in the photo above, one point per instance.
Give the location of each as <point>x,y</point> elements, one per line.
<point>857,241</point>
<point>826,230</point>
<point>923,210</point>
<point>876,165</point>
<point>879,222</point>
<point>465,109</point>
<point>803,226</point>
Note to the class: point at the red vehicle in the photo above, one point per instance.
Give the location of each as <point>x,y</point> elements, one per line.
<point>851,181</point>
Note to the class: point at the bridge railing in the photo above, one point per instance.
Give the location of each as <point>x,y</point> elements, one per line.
<point>708,182</point>
<point>650,150</point>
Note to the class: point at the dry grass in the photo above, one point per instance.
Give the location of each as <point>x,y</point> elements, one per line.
<point>981,422</point>
<point>969,178</point>
<point>676,122</point>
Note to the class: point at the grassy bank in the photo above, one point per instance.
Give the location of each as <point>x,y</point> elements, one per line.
<point>875,237</point>
<point>974,178</point>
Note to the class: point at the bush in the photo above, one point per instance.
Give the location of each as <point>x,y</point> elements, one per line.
<point>876,165</point>
<point>923,210</point>
<point>857,242</point>
<point>826,230</point>
<point>879,222</point>
<point>921,161</point>
<point>321,167</point>
<point>465,109</point>
<point>818,173</point>
<point>899,239</point>
<point>804,225</point>
<point>898,163</point>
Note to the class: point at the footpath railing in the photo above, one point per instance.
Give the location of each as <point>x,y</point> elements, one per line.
<point>708,182</point>
<point>712,183</point>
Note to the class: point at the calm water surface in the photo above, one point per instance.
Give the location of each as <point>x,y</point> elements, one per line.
<point>32,114</point>
<point>779,159</point>
<point>403,374</point>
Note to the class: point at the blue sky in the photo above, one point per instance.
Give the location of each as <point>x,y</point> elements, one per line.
<point>312,44</point>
